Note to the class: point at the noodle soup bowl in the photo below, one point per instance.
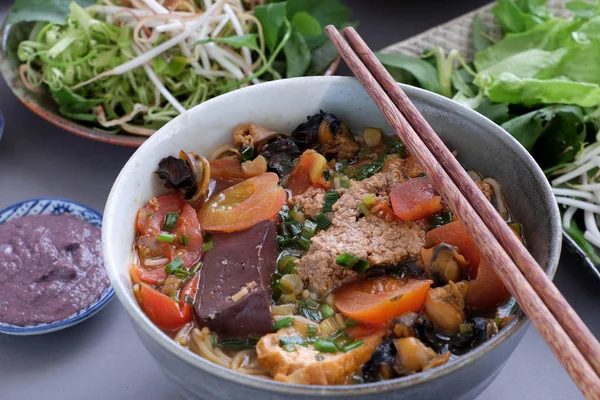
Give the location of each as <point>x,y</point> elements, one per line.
<point>281,106</point>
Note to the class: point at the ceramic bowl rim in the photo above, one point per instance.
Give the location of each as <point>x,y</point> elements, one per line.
<point>206,366</point>
<point>74,319</point>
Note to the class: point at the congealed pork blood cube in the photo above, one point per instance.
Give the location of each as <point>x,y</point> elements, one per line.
<point>233,295</point>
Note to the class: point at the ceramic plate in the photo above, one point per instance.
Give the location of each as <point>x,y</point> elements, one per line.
<point>58,207</point>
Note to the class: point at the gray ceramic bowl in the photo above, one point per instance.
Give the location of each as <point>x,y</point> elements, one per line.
<point>280,106</point>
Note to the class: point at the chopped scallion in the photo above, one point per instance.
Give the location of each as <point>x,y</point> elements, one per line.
<point>149,214</point>
<point>214,339</point>
<point>292,339</point>
<point>174,297</point>
<point>247,153</point>
<point>351,322</point>
<point>346,260</point>
<point>326,175</point>
<point>311,331</point>
<point>309,229</point>
<point>364,209</point>
<point>185,239</point>
<point>329,200</point>
<point>303,242</point>
<point>353,346</point>
<point>196,268</point>
<point>345,182</point>
<point>322,221</point>
<point>361,266</point>
<point>170,221</point>
<point>189,300</point>
<point>284,323</point>
<point>166,237</point>
<point>325,346</point>
<point>174,265</point>
<point>207,245</point>
<point>326,311</point>
<point>369,200</point>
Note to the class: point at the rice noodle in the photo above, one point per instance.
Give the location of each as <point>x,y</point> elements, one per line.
<point>498,196</point>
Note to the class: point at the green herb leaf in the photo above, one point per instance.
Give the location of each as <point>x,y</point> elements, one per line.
<point>271,17</point>
<point>174,265</point>
<point>425,73</point>
<point>582,9</point>
<point>513,18</point>
<point>577,235</point>
<point>324,11</point>
<point>170,221</point>
<point>297,55</point>
<point>42,10</point>
<point>480,41</point>
<point>306,24</point>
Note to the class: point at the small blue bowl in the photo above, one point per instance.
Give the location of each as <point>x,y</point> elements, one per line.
<point>55,206</point>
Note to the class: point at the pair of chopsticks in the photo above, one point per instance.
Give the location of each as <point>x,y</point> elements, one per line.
<point>566,334</point>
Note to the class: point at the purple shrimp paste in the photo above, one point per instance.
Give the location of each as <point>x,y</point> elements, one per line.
<point>50,268</point>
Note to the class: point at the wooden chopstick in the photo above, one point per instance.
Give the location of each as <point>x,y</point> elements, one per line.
<point>558,305</point>
<point>538,312</point>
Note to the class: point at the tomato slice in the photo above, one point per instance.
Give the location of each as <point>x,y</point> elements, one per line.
<point>455,235</point>
<point>308,172</point>
<point>226,168</point>
<point>151,217</point>
<point>243,205</point>
<point>415,199</point>
<point>487,290</point>
<point>188,236</point>
<point>163,311</point>
<point>377,300</point>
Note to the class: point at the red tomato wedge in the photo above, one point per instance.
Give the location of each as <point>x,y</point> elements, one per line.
<point>140,274</point>
<point>243,205</point>
<point>226,168</point>
<point>415,199</point>
<point>487,290</point>
<point>308,172</point>
<point>163,311</point>
<point>377,300</point>
<point>454,234</point>
<point>150,221</point>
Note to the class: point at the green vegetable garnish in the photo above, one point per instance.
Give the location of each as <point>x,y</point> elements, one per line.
<point>353,346</point>
<point>330,199</point>
<point>166,237</point>
<point>170,221</point>
<point>353,262</point>
<point>325,346</point>
<point>322,221</point>
<point>247,153</point>
<point>208,241</point>
<point>283,323</point>
<point>326,311</point>
<point>176,264</point>
<point>351,322</point>
<point>184,239</point>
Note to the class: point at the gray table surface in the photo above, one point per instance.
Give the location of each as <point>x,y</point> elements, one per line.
<point>102,358</point>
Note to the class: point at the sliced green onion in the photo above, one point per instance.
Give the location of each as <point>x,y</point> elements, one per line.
<point>440,219</point>
<point>174,265</point>
<point>326,175</point>
<point>326,311</point>
<point>174,297</point>
<point>311,303</point>
<point>363,209</point>
<point>311,331</point>
<point>207,246</point>
<point>325,346</point>
<point>189,300</point>
<point>185,239</point>
<point>341,339</point>
<point>196,267</point>
<point>214,339</point>
<point>322,221</point>
<point>353,346</point>
<point>329,200</point>
<point>303,242</point>
<point>309,229</point>
<point>253,339</point>
<point>284,260</point>
<point>235,344</point>
<point>170,221</point>
<point>247,153</point>
<point>361,266</point>
<point>181,273</point>
<point>166,237</point>
<point>284,323</point>
<point>308,312</point>
<point>352,322</point>
<point>292,339</point>
<point>346,260</point>
<point>284,214</point>
<point>345,182</point>
<point>149,214</point>
<point>369,200</point>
